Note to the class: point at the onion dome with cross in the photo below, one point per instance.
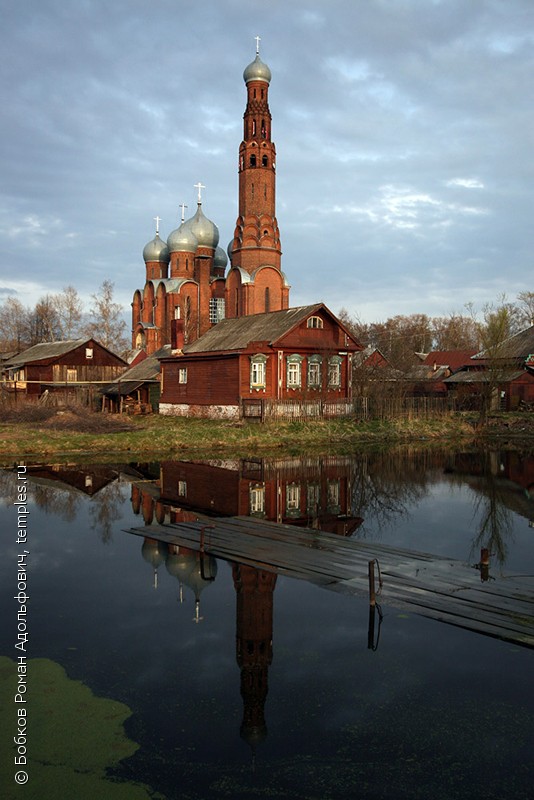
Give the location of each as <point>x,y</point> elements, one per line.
<point>257,70</point>
<point>156,249</point>
<point>206,232</point>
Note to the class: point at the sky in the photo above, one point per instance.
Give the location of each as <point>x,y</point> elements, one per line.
<point>404,132</point>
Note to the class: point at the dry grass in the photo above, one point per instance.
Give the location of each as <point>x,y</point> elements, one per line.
<point>39,433</point>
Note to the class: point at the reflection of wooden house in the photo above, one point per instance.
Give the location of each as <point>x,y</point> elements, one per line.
<point>61,366</point>
<point>87,480</point>
<point>292,356</point>
<point>315,494</point>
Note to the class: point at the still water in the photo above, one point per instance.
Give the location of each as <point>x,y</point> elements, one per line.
<point>151,675</point>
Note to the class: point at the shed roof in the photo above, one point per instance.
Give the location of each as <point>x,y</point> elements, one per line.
<point>483,376</point>
<point>146,371</point>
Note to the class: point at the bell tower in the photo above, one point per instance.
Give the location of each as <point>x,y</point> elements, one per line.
<point>256,241</point>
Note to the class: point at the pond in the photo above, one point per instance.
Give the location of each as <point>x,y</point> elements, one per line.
<point>152,673</point>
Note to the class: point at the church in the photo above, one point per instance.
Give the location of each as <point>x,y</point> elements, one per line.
<point>228,342</point>
<point>185,276</point>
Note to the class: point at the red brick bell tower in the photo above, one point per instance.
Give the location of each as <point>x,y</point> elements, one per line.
<point>256,247</point>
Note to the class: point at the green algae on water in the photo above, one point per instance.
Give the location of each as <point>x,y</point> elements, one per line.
<point>72,737</point>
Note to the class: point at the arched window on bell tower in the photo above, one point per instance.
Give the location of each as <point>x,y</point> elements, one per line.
<point>267,300</point>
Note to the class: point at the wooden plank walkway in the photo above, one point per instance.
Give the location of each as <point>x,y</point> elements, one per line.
<point>444,589</point>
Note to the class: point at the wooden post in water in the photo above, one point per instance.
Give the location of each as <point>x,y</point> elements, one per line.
<point>484,564</point>
<point>372,592</point>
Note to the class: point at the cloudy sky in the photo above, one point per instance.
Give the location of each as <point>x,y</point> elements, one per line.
<point>403,128</point>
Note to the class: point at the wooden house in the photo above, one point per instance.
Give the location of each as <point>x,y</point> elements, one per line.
<point>61,366</point>
<point>506,371</point>
<point>263,364</point>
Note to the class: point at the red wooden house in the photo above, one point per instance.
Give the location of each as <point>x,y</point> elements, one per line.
<point>61,365</point>
<point>261,365</point>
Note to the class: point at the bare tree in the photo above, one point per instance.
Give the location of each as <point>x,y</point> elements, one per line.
<point>14,325</point>
<point>70,312</point>
<point>498,324</point>
<point>44,321</point>
<point>106,323</point>
<point>526,308</point>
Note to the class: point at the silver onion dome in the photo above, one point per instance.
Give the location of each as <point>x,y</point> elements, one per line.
<point>206,232</point>
<point>220,258</point>
<point>156,250</point>
<point>257,71</point>
<point>182,240</point>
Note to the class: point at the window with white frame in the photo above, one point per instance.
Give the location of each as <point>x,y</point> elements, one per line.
<point>293,499</point>
<point>294,371</point>
<point>334,372</point>
<point>217,309</point>
<point>314,322</point>
<point>88,352</point>
<point>258,371</point>
<point>314,372</point>
<point>257,500</point>
<point>182,375</point>
<point>182,488</point>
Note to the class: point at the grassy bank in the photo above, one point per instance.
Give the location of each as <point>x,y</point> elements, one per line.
<point>71,434</point>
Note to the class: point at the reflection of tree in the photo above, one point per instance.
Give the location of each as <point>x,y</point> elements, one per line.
<point>62,501</point>
<point>386,484</point>
<point>495,523</point>
<point>105,508</point>
<point>8,487</point>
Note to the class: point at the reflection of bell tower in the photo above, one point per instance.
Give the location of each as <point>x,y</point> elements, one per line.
<point>254,645</point>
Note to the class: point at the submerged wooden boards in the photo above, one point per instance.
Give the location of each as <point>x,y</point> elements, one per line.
<point>440,588</point>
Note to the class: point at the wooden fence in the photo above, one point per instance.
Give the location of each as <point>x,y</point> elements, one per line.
<point>360,408</point>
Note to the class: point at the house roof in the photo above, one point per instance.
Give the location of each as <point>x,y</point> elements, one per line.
<point>367,352</point>
<point>453,359</point>
<point>46,350</point>
<point>146,371</point>
<point>483,376</point>
<point>236,334</point>
<point>519,346</point>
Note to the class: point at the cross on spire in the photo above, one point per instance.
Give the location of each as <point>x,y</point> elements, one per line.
<point>157,221</point>
<point>183,207</point>
<point>258,40</point>
<point>199,186</point>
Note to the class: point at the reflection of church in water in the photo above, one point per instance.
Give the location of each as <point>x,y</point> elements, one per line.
<point>315,492</point>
